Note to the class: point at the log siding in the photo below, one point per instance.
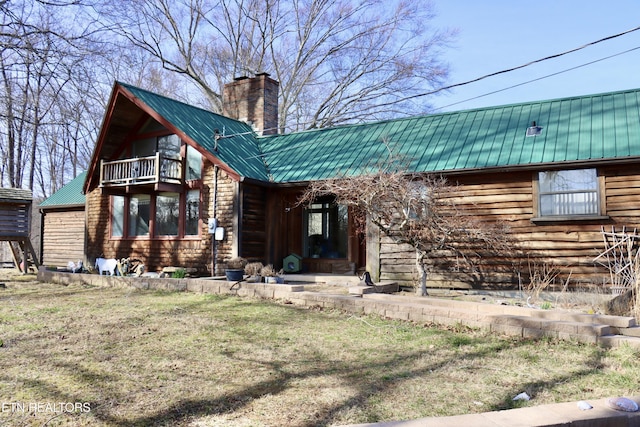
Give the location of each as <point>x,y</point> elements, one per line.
<point>156,253</point>
<point>570,246</point>
<point>63,237</point>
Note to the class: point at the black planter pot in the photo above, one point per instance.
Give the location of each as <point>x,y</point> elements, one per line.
<point>234,275</point>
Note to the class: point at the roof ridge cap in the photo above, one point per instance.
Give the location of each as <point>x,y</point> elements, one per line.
<point>128,86</point>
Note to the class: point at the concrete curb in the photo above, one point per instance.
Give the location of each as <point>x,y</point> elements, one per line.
<point>551,415</point>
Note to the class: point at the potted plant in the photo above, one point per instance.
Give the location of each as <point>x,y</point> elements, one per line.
<point>253,270</point>
<point>235,269</point>
<point>271,275</point>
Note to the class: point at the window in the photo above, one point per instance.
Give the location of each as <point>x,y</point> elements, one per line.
<point>194,164</point>
<point>174,215</point>
<point>326,226</point>
<point>167,145</point>
<point>569,193</point>
<point>139,214</point>
<point>117,216</point>
<point>167,214</point>
<point>192,213</point>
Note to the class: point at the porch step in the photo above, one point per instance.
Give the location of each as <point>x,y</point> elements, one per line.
<point>382,287</point>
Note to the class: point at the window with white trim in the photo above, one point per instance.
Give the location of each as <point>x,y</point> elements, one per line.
<point>160,215</point>
<point>568,193</point>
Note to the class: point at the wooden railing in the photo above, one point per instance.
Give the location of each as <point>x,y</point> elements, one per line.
<point>141,170</point>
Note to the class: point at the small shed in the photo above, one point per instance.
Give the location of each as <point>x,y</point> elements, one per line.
<point>15,215</point>
<point>63,225</point>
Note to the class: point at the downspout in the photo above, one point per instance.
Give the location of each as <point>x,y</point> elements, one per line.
<point>41,248</point>
<point>214,242</point>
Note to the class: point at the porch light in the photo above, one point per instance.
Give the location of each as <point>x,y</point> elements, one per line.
<point>534,129</point>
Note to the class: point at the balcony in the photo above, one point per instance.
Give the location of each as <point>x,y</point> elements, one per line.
<point>157,170</point>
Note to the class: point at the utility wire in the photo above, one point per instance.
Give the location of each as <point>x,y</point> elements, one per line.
<point>539,78</point>
<point>508,70</point>
<point>295,146</point>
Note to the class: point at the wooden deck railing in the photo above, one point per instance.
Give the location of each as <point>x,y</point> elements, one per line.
<point>141,170</point>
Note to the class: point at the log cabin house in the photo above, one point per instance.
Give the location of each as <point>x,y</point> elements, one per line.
<point>555,171</point>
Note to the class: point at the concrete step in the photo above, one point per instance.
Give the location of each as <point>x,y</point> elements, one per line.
<point>382,287</point>
<point>614,321</point>
<point>633,331</point>
<point>619,340</point>
<point>562,327</point>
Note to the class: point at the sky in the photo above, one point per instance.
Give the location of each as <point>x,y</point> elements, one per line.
<point>494,35</point>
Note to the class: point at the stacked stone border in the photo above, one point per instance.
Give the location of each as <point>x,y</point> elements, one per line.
<point>608,331</point>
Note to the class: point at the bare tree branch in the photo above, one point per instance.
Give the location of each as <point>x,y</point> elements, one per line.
<point>416,210</point>
<point>337,61</point>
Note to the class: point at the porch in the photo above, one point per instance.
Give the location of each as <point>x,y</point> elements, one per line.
<point>155,170</point>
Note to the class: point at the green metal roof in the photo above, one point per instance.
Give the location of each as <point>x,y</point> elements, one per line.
<point>68,195</point>
<point>578,129</point>
<point>238,146</point>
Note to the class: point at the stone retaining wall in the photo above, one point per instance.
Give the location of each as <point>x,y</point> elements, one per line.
<point>501,319</point>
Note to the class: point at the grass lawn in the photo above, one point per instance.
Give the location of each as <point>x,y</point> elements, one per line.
<point>124,357</point>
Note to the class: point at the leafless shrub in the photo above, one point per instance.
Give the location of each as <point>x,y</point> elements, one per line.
<point>253,268</point>
<point>416,209</point>
<point>541,277</point>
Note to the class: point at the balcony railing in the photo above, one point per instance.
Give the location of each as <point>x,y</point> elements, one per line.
<point>141,170</point>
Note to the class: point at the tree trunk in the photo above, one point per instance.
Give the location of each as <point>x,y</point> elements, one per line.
<point>422,274</point>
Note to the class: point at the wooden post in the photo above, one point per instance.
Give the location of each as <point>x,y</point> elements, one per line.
<point>157,167</point>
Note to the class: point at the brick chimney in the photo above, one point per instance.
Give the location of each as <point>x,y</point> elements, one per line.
<point>253,100</point>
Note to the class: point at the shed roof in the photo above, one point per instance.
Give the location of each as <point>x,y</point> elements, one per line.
<point>578,129</point>
<point>15,195</point>
<point>68,196</point>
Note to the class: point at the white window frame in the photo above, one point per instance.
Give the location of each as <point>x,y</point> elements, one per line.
<point>569,193</point>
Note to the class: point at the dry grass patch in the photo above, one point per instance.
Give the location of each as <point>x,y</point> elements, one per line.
<point>144,358</point>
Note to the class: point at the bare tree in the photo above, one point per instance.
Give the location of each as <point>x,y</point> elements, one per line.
<point>418,210</point>
<point>48,92</point>
<point>337,61</point>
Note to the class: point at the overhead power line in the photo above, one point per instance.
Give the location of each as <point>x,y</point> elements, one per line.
<point>508,70</point>
<point>539,78</point>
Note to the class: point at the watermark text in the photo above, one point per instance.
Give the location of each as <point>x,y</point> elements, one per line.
<point>44,407</point>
